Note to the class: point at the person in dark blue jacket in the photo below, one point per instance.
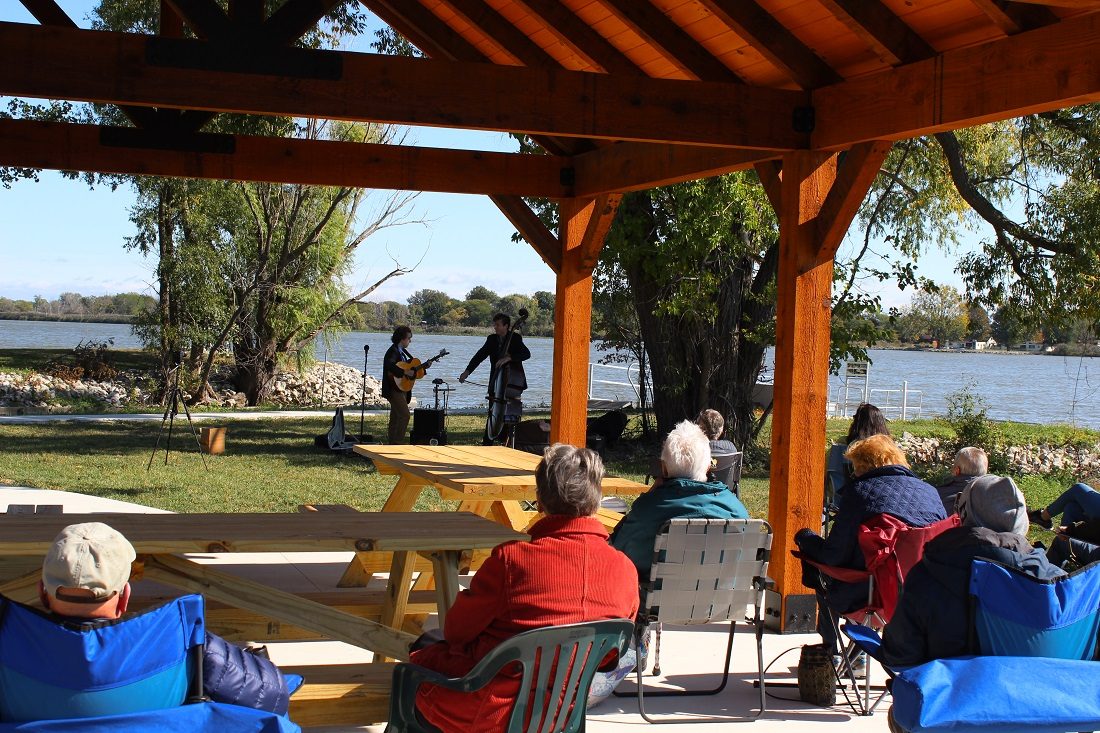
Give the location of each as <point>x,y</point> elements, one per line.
<point>883,484</point>
<point>684,492</point>
<point>932,616</point>
<point>86,579</point>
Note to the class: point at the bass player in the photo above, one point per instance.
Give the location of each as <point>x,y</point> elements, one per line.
<point>494,349</point>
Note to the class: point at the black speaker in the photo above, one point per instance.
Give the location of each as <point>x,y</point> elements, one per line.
<point>428,427</point>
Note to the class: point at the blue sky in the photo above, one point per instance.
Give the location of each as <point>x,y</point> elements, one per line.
<point>59,235</point>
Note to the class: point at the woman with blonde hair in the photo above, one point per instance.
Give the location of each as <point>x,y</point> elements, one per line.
<point>883,484</point>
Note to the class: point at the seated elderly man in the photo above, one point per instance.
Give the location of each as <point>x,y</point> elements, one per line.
<point>684,492</point>
<point>86,580</point>
<point>566,574</point>
<point>970,462</point>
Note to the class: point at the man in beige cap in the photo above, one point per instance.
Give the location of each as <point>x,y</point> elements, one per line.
<point>86,573</point>
<point>86,578</point>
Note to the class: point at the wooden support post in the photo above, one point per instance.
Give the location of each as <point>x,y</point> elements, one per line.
<point>582,227</point>
<point>818,199</point>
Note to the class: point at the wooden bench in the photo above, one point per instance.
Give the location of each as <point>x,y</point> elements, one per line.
<point>342,694</point>
<point>239,625</point>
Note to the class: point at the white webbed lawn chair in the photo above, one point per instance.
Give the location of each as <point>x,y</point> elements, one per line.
<point>705,571</point>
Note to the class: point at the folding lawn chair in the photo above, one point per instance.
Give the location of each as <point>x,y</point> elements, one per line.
<point>137,674</point>
<point>705,571</point>
<point>1035,671</point>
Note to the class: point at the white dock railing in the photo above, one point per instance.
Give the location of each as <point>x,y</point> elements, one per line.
<point>614,383</point>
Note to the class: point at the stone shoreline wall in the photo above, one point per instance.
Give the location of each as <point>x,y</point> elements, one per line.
<point>1081,461</point>
<point>343,385</point>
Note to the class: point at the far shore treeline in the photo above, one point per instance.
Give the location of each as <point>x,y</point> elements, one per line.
<point>941,317</point>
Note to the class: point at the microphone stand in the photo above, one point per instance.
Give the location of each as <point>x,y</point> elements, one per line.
<point>363,393</point>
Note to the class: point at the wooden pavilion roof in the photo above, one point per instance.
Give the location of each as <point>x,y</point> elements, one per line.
<point>624,94</point>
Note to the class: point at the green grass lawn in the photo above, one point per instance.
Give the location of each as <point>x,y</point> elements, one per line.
<point>271,464</point>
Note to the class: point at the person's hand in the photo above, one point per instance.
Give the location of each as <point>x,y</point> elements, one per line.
<point>462,377</point>
<point>410,373</point>
<point>504,360</point>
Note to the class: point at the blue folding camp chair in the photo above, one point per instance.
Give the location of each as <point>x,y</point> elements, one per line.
<point>140,673</point>
<point>1034,671</point>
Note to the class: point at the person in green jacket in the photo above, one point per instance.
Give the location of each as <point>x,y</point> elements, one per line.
<point>684,492</point>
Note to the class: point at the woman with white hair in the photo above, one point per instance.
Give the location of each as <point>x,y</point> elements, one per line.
<point>684,493</point>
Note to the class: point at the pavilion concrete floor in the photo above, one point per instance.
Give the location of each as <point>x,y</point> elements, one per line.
<point>691,657</point>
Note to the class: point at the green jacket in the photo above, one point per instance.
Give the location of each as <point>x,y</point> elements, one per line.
<point>677,498</point>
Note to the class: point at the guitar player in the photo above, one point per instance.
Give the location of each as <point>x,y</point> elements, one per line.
<point>399,400</point>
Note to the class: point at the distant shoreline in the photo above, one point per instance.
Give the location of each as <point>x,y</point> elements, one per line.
<point>68,317</point>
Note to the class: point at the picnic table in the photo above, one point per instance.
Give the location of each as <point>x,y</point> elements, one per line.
<point>492,481</point>
<point>160,539</point>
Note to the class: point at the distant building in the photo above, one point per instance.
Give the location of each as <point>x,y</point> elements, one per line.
<point>989,343</point>
<point>1030,346</point>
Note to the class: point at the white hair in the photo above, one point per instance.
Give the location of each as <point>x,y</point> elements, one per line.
<point>972,461</point>
<point>686,452</point>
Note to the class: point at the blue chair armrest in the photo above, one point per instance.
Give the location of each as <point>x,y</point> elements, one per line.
<point>1002,694</point>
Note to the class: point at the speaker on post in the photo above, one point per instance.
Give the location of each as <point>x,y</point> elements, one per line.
<point>428,427</point>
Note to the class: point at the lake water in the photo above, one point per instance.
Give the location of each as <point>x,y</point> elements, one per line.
<point>1024,387</point>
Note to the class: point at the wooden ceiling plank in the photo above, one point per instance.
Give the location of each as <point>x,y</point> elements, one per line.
<point>424,30</point>
<point>876,25</point>
<point>580,37</point>
<point>205,18</point>
<point>857,170</point>
<point>1081,4</point>
<point>245,13</point>
<point>48,12</point>
<point>1048,68</point>
<point>507,36</point>
<point>98,66</point>
<point>531,228</point>
<point>658,30</point>
<point>773,41</point>
<point>67,146</point>
<point>295,18</point>
<point>638,166</point>
<point>1013,18</point>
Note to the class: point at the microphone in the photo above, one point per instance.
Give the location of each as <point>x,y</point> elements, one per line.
<point>366,349</point>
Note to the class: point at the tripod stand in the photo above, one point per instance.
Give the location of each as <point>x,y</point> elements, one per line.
<point>172,404</point>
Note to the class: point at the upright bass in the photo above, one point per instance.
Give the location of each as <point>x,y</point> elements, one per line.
<point>506,386</point>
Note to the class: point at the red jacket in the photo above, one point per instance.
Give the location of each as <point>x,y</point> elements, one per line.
<point>566,574</point>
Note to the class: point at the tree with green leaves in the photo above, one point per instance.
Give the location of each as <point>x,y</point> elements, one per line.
<point>939,312</point>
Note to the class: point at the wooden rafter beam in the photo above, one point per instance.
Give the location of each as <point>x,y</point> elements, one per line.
<point>205,18</point>
<point>580,37</point>
<point>638,166</point>
<point>1048,68</point>
<point>672,41</point>
<point>436,40</point>
<point>770,173</point>
<point>424,30</point>
<point>773,41</point>
<point>876,25</point>
<point>494,25</point>
<point>603,215</point>
<point>96,66</point>
<point>65,146</point>
<point>48,12</point>
<point>1013,18</point>
<point>531,228</point>
<point>295,18</point>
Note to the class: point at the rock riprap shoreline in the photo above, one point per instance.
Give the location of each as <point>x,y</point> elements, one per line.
<point>1028,459</point>
<point>343,385</point>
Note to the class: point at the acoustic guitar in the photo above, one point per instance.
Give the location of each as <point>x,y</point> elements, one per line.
<point>405,384</point>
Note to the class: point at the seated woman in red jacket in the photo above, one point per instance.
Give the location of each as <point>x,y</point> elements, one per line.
<point>566,574</point>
